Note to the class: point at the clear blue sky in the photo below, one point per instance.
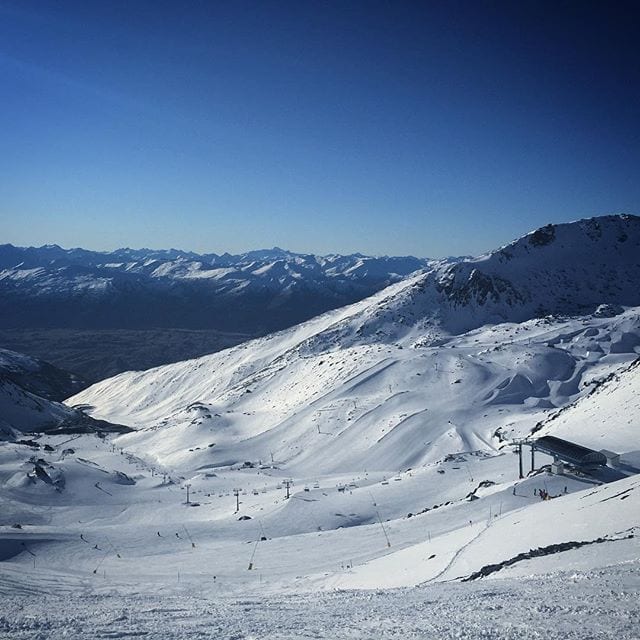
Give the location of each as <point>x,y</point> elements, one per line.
<point>436,128</point>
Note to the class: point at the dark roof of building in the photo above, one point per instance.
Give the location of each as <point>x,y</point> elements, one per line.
<point>569,451</point>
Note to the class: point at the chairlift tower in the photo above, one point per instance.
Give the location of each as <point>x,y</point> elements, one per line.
<point>519,442</point>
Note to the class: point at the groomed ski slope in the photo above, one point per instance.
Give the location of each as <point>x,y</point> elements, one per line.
<point>568,605</point>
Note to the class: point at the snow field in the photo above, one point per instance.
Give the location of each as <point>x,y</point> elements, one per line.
<point>391,421</point>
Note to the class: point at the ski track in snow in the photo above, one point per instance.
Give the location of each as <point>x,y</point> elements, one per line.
<point>565,606</point>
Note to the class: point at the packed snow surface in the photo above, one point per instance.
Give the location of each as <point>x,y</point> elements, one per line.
<point>567,606</point>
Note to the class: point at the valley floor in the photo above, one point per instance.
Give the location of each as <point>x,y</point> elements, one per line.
<point>596,604</point>
<point>95,354</point>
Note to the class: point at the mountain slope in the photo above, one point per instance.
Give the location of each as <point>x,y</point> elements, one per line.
<point>573,268</point>
<point>29,390</point>
<point>561,269</point>
<point>24,412</point>
<point>27,412</point>
<point>606,417</point>
<point>390,382</point>
<point>37,376</point>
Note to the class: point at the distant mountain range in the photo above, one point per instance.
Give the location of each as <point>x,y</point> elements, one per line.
<point>252,293</point>
<point>98,314</point>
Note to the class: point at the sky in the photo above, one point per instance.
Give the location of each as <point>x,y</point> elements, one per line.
<point>430,129</point>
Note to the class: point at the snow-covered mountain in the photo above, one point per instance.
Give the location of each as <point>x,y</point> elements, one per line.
<point>37,376</point>
<point>29,393</point>
<point>284,486</point>
<point>590,266</point>
<point>606,417</point>
<point>26,412</point>
<point>255,292</point>
<point>418,363</point>
<point>558,269</point>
